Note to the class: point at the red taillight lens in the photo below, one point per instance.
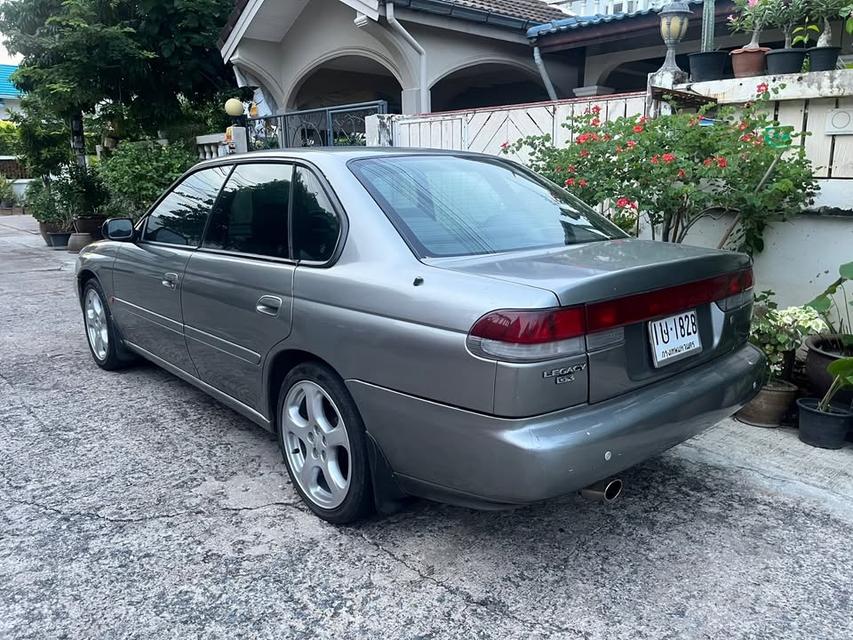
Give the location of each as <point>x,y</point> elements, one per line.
<point>645,306</point>
<point>530,327</point>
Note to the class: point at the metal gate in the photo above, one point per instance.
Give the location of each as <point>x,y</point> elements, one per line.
<point>330,126</point>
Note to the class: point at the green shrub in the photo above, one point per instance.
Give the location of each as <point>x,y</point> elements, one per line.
<point>80,191</point>
<point>40,203</point>
<point>138,172</point>
<point>7,193</point>
<point>8,138</point>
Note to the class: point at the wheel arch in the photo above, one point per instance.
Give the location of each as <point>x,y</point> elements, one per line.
<point>83,276</point>
<point>280,364</point>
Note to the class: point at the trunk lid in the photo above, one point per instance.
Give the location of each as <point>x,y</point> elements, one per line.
<point>621,360</point>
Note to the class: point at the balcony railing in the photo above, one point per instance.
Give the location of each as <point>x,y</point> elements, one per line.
<point>608,7</point>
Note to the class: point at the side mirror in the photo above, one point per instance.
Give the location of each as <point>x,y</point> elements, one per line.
<point>120,229</point>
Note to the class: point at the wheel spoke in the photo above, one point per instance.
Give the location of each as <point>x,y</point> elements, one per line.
<point>334,478</point>
<point>308,474</point>
<point>337,437</point>
<point>314,406</point>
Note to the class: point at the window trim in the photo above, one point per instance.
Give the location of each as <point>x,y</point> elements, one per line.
<point>415,246</point>
<point>142,224</point>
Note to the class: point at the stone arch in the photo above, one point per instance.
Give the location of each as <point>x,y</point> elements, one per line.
<point>483,82</point>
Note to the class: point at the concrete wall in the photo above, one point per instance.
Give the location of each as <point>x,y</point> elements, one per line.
<point>325,30</point>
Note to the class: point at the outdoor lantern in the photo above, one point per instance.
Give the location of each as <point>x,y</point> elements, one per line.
<point>234,108</point>
<point>674,19</point>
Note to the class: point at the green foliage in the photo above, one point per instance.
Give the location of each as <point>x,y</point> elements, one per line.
<point>7,193</point>
<point>43,137</point>
<point>750,16</point>
<point>137,173</point>
<point>80,192</point>
<point>41,202</point>
<point>834,303</point>
<point>842,372</point>
<point>8,138</point>
<point>786,15</point>
<point>777,332</point>
<point>674,171</point>
<point>141,54</point>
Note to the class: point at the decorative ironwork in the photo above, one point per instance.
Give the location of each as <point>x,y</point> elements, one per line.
<point>332,126</point>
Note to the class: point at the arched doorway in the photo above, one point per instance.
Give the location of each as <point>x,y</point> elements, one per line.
<point>346,79</point>
<point>485,85</point>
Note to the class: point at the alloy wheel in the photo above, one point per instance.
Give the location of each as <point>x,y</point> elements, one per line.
<point>317,444</point>
<point>96,325</point>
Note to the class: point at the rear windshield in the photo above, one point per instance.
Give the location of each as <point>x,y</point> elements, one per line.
<point>457,206</point>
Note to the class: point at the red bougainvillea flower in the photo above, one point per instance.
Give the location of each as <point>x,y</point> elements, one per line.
<point>584,138</point>
<point>571,168</point>
<point>569,182</point>
<point>582,182</point>
<point>747,137</point>
<point>626,203</point>
<point>722,162</point>
<point>619,148</point>
<point>742,126</point>
<point>762,88</point>
<point>681,173</point>
<point>584,153</point>
<point>643,120</point>
<point>596,109</point>
<point>655,159</point>
<point>595,122</point>
<point>708,162</point>
<point>668,158</point>
<point>638,128</point>
<point>631,144</point>
<point>607,137</point>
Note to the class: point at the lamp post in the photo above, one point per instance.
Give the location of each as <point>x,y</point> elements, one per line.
<point>674,19</point>
<point>235,109</point>
<point>236,135</point>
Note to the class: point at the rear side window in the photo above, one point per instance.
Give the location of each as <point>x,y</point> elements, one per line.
<point>457,205</point>
<point>180,217</point>
<point>251,214</point>
<point>315,225</point>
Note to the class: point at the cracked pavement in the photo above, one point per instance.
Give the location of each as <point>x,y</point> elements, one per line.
<point>134,506</point>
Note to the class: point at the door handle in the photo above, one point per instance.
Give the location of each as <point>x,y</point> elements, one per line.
<point>170,280</point>
<point>268,305</point>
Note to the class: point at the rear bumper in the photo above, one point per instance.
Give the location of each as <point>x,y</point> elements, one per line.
<point>468,458</point>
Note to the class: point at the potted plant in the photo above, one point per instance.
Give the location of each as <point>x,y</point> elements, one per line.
<point>81,195</point>
<point>750,16</point>
<point>822,423</point>
<point>786,15</point>
<point>777,333</point>
<point>823,56</point>
<point>834,306</point>
<point>41,203</point>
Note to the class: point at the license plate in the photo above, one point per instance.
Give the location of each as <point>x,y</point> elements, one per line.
<point>674,338</point>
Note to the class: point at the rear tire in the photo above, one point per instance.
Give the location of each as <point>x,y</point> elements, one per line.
<point>322,439</point>
<point>101,334</point>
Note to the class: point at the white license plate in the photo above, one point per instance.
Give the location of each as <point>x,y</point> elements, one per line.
<point>674,338</point>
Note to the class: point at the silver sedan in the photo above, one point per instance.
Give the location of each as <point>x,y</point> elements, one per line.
<point>444,325</point>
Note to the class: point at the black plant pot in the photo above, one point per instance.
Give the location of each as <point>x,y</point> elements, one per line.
<point>709,65</point>
<point>785,61</point>
<point>59,240</point>
<point>826,430</point>
<point>823,58</point>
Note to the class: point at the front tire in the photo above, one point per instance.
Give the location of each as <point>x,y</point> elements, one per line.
<point>322,439</point>
<point>101,333</point>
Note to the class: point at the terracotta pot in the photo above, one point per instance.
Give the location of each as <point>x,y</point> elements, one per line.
<point>770,405</point>
<point>46,228</point>
<point>79,240</point>
<point>821,351</point>
<point>748,62</point>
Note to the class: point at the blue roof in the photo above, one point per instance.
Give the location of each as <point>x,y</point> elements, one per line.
<point>7,89</point>
<point>577,22</point>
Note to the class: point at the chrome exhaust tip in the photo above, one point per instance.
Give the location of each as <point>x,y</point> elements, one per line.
<point>604,490</point>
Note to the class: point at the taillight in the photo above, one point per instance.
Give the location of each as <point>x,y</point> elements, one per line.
<point>543,334</point>
<point>528,335</point>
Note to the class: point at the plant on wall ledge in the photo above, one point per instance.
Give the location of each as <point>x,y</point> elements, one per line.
<point>786,15</point>
<point>678,169</point>
<point>750,17</point>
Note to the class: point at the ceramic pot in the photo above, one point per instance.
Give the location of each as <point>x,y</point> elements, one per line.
<point>824,429</point>
<point>822,350</point>
<point>46,228</point>
<point>770,405</point>
<point>823,58</point>
<point>79,240</point>
<point>59,239</point>
<point>708,65</point>
<point>748,62</point>
<point>785,61</point>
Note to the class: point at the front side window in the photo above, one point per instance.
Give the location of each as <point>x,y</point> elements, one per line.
<point>251,214</point>
<point>180,217</point>
<point>455,206</point>
<point>315,225</point>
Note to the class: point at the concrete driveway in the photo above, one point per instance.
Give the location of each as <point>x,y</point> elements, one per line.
<point>133,506</point>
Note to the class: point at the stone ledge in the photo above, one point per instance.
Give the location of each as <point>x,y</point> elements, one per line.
<point>798,86</point>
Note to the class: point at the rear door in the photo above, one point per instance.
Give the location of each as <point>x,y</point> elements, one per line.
<point>147,276</point>
<point>238,287</point>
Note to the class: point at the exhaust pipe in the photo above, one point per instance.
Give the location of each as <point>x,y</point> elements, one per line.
<point>604,490</point>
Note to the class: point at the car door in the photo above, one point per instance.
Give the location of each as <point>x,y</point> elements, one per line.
<point>238,287</point>
<point>147,276</point>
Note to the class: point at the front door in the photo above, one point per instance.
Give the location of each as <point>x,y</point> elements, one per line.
<point>238,287</point>
<point>148,274</point>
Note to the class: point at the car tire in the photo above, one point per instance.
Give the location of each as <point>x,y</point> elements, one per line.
<point>324,445</point>
<point>101,333</point>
